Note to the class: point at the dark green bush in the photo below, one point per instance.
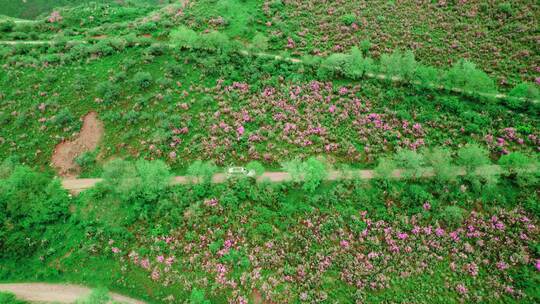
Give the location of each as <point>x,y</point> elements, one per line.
<point>6,26</point>
<point>465,76</point>
<point>9,298</point>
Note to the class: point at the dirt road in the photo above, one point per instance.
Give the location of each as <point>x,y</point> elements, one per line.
<point>57,293</point>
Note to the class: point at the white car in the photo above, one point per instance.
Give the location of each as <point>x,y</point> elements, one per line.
<point>239,171</point>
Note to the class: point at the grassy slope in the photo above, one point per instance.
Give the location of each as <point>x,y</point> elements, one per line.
<point>30,9</point>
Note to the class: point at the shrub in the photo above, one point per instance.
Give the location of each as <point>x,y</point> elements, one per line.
<point>365,46</point>
<point>184,37</point>
<point>259,42</point>
<point>86,159</point>
<point>427,75</point>
<point>108,91</point>
<point>175,69</point>
<point>521,168</point>
<point>63,117</point>
<point>143,80</point>
<point>452,216</point>
<point>137,186</point>
<point>215,41</point>
<point>9,298</point>
<point>157,49</point>
<point>348,19</point>
<point>475,160</point>
<point>506,8</point>
<point>197,297</point>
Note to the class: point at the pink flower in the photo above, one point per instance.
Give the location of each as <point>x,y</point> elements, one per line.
<point>402,235</point>
<point>240,130</point>
<point>332,109</point>
<point>344,244</point>
<point>461,289</point>
<point>145,264</point>
<point>155,275</point>
<point>172,155</point>
<point>538,265</point>
<point>427,206</point>
<point>115,250</point>
<point>170,260</point>
<point>55,17</point>
<point>439,231</point>
<point>160,259</point>
<point>211,202</point>
<point>290,43</point>
<point>502,265</point>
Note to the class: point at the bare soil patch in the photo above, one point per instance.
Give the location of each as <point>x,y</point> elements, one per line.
<point>63,158</point>
<point>56,293</point>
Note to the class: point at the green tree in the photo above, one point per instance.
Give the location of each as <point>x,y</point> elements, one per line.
<point>522,94</point>
<point>466,76</point>
<point>30,203</point>
<point>411,162</point>
<point>314,173</point>
<point>385,169</point>
<point>440,159</point>
<point>201,171</point>
<point>475,161</point>
<point>357,65</point>
<point>472,156</point>
<point>523,169</point>
<point>399,64</point>
<point>294,168</point>
<point>256,166</point>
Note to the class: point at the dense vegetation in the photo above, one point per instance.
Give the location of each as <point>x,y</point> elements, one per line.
<point>299,241</point>
<point>449,98</point>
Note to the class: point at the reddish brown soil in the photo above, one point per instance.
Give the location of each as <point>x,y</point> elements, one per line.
<point>63,158</point>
